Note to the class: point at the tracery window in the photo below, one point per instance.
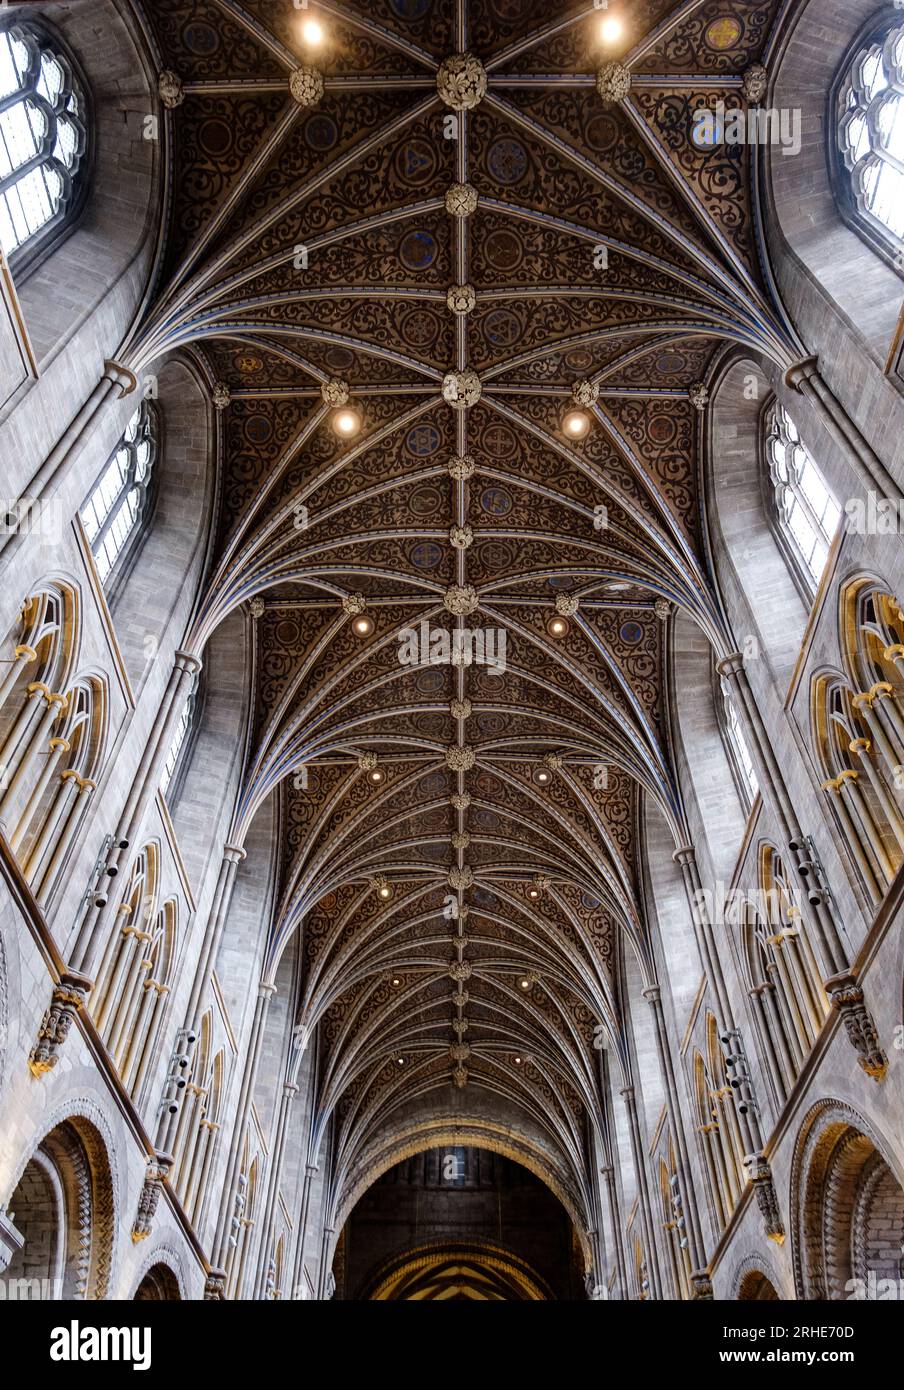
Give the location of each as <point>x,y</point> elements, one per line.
<point>43,136</point>
<point>807,510</point>
<point>745,775</point>
<point>119,502</point>
<point>870,133</point>
<point>178,743</point>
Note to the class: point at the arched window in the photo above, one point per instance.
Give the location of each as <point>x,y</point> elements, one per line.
<point>870,133</point>
<point>119,501</point>
<point>43,137</point>
<point>172,758</point>
<point>805,507</point>
<point>739,753</point>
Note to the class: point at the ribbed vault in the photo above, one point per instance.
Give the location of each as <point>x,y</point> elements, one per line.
<point>459,843</point>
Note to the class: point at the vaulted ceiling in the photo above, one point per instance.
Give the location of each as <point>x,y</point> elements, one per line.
<point>331,248</point>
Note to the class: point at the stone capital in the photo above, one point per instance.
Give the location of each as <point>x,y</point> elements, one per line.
<point>121,376</point>
<point>799,372</point>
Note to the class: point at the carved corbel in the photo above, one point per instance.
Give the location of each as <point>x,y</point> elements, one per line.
<point>65,1001</point>
<point>847,997</point>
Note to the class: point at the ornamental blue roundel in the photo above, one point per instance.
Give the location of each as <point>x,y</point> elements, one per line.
<point>415,162</point>
<point>427,556</point>
<point>417,250</point>
<point>507,161</point>
<point>258,429</point>
<point>631,633</point>
<point>496,501</point>
<point>671,363</point>
<point>422,440</point>
<point>200,38</point>
<point>434,783</point>
<point>502,327</point>
<point>410,9</point>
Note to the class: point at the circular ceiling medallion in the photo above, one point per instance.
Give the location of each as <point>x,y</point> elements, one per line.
<point>422,440</point>
<point>502,327</point>
<point>507,161</point>
<point>258,429</point>
<point>410,9</point>
<point>579,360</point>
<point>417,250</point>
<point>499,442</point>
<point>671,363</point>
<point>662,429</point>
<point>602,132</point>
<point>200,38</point>
<point>496,501</point>
<point>426,555</point>
<point>320,132</point>
<point>631,633</point>
<point>215,137</point>
<point>246,364</point>
<point>419,328</point>
<point>503,250</point>
<point>287,632</point>
<point>722,33</point>
<point>415,162</point>
<point>426,501</point>
<point>434,782</point>
<point>339,359</point>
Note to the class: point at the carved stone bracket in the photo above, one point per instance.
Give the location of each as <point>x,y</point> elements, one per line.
<point>154,1178</point>
<point>66,1000</point>
<point>760,1175</point>
<point>847,997</point>
<point>701,1287</point>
<point>215,1286</point>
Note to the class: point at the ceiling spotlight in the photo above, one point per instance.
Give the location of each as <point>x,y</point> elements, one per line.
<point>377,776</point>
<point>346,423</point>
<point>401,1061</point>
<point>363,626</point>
<point>525,983</point>
<point>517,1061</point>
<point>312,32</point>
<point>533,892</point>
<point>385,892</point>
<point>543,776</point>
<point>576,424</point>
<point>396,981</point>
<point>557,627</point>
<point>611,30</point>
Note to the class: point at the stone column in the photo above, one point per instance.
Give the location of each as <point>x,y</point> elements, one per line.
<point>310,1172</point>
<point>643,1192</point>
<point>608,1175</point>
<point>249,1077</point>
<point>699,1277</point>
<point>289,1092</point>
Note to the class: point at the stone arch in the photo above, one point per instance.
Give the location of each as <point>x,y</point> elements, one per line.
<point>756,1287</point>
<point>63,1207</point>
<point>847,1206</point>
<point>159,1284</point>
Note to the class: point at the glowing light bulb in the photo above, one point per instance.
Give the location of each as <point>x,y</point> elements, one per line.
<point>347,423</point>
<point>312,32</point>
<point>576,424</point>
<point>363,626</point>
<point>611,30</point>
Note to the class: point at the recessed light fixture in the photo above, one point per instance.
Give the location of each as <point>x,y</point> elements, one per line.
<point>525,983</point>
<point>346,423</point>
<point>363,626</point>
<point>312,32</point>
<point>401,1061</point>
<point>377,776</point>
<point>543,776</point>
<point>396,981</point>
<point>611,30</point>
<point>557,627</point>
<point>533,892</point>
<point>517,1061</point>
<point>576,424</point>
<point>385,891</point>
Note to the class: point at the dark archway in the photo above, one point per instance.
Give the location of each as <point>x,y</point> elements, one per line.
<point>159,1285</point>
<point>458,1223</point>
